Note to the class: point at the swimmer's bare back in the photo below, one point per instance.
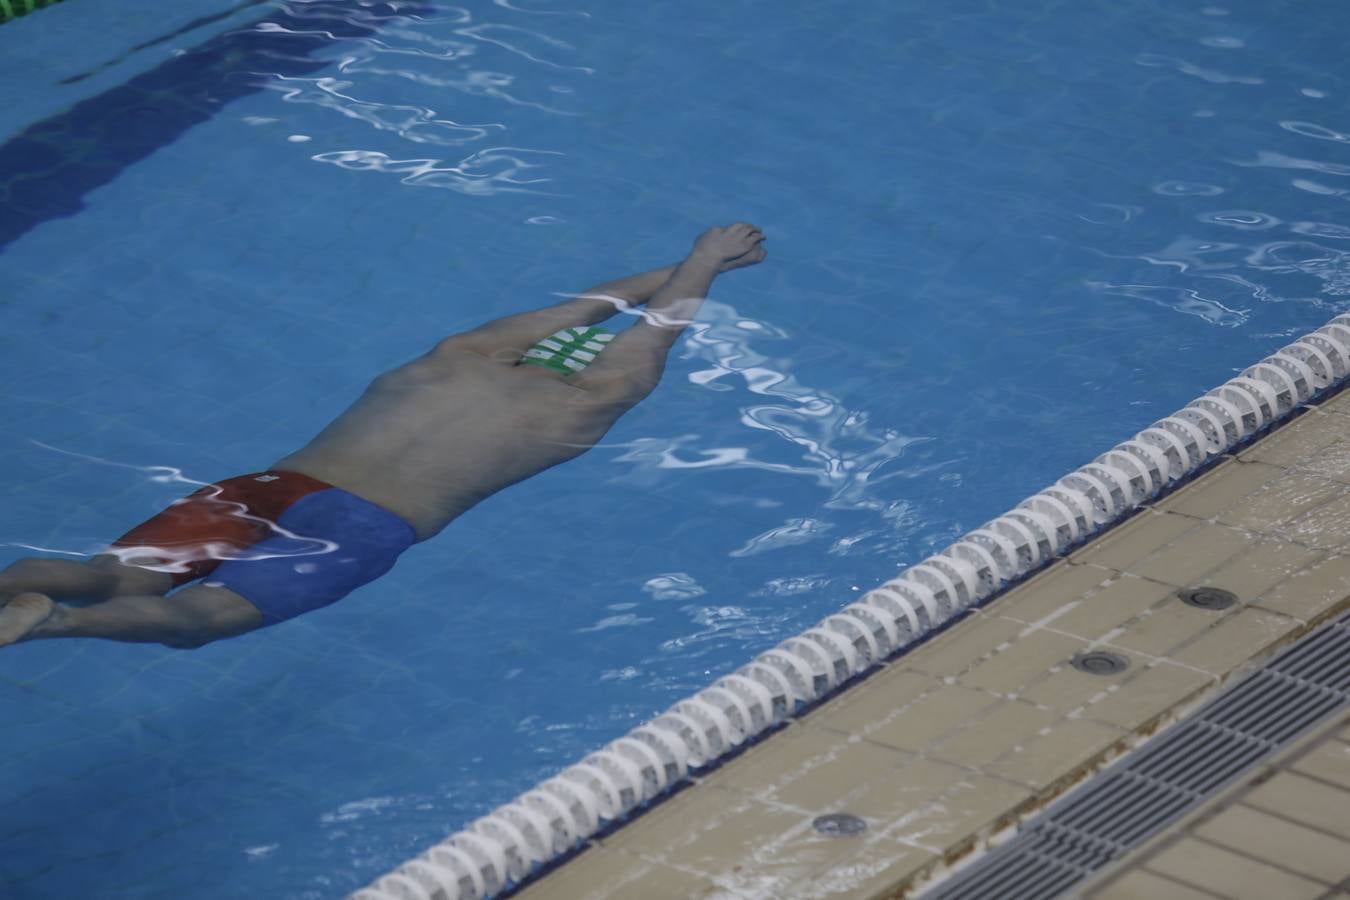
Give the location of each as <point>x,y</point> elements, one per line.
<point>433,437</point>
<point>424,443</point>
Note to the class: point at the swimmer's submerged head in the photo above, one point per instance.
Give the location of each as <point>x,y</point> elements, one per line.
<point>570,350</point>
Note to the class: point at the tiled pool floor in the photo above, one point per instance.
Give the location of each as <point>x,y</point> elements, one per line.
<point>954,742</point>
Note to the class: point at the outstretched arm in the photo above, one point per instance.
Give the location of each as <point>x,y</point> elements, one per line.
<point>521,331</point>
<point>637,357</point>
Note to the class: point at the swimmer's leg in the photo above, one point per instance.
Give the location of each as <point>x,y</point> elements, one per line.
<point>98,578</point>
<point>194,616</point>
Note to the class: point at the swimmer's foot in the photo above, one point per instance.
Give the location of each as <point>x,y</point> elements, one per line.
<point>750,257</point>
<point>22,614</point>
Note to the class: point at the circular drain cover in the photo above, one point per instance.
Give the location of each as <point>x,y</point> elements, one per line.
<point>1207,598</point>
<point>1099,662</point>
<point>839,825</point>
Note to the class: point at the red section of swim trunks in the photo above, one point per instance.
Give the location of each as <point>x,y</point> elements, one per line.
<point>193,535</point>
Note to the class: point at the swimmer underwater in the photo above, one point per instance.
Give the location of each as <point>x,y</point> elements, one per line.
<point>423,444</point>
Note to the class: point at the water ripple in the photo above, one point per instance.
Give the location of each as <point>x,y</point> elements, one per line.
<point>1273,160</point>
<point>404,57</point>
<point>508,38</point>
<point>1182,300</point>
<point>1312,130</point>
<point>416,124</point>
<point>1213,76</point>
<point>1186,189</point>
<point>481,174</point>
<point>842,451</point>
<point>789,534</point>
<point>1241,219</point>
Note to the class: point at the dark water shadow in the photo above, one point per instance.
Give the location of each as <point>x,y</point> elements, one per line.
<point>47,169</point>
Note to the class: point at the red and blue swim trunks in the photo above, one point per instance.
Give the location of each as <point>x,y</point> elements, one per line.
<point>285,542</point>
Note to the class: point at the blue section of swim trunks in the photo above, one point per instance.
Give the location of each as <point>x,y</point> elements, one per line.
<point>329,544</point>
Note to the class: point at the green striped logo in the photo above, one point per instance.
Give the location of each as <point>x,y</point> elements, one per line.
<point>12,9</point>
<point>568,351</point>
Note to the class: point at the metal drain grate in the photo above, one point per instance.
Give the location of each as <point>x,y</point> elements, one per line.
<point>1149,789</point>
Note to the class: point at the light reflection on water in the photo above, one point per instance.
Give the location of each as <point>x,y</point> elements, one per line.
<point>840,451</point>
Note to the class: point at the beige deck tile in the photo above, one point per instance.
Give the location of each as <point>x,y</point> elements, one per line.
<point>1149,694</point>
<point>1236,639</point>
<point>850,772</point>
<point>1264,564</point>
<point>752,849</point>
<point>701,827</point>
<point>1066,688</point>
<point>998,731</point>
<point>1312,803</point>
<point>872,871</point>
<point>1283,499</point>
<point>1312,441</point>
<point>1223,487</point>
<point>1230,874</point>
<point>1329,761</point>
<point>602,874</point>
<point>870,704</point>
<point>809,768</point>
<point>958,649</point>
<point>889,797</point>
<point>1123,546</point>
<point>1327,527</point>
<point>1024,660</point>
<point>1340,403</point>
<point>1141,885</point>
<point>1308,594</point>
<point>1057,755</point>
<point>1258,834</point>
<point>1115,604</point>
<point>1050,591</point>
<point>1185,561</point>
<point>931,717</point>
<point>964,808</point>
<point>1169,625</point>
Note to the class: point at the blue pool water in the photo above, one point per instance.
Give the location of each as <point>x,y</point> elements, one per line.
<point>1002,238</point>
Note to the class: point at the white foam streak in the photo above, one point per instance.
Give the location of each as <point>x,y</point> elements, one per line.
<point>481,174</point>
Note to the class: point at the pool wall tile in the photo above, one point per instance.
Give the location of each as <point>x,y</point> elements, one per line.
<point>1115,603</point>
<point>1060,755</point>
<point>1024,660</point>
<point>1319,855</point>
<point>1197,862</point>
<point>1150,694</point>
<point>1226,484</point>
<point>932,717</point>
<point>1145,534</point>
<point>1263,565</point>
<point>1060,587</point>
<point>1143,885</point>
<point>999,730</point>
<point>1228,644</point>
<point>1313,443</point>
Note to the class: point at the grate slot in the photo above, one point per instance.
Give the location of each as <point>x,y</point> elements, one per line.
<point>1146,790</point>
